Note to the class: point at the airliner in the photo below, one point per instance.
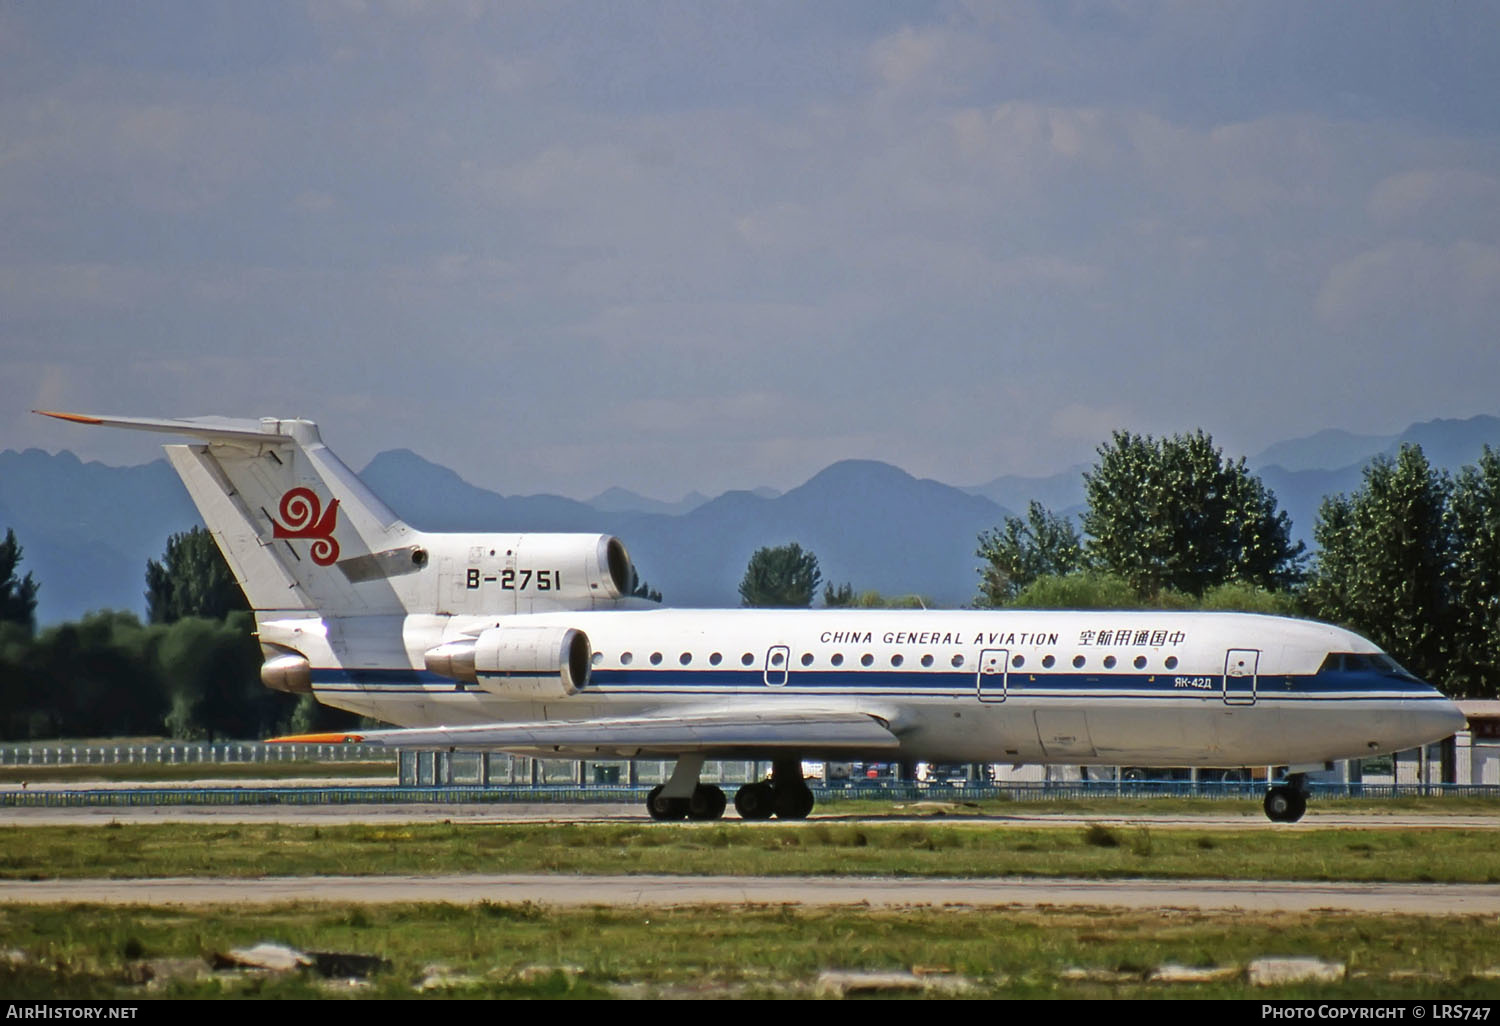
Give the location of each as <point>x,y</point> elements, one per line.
<point>532,644</point>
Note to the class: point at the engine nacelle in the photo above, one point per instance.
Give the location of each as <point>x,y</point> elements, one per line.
<point>286,670</point>
<point>582,566</point>
<point>530,663</point>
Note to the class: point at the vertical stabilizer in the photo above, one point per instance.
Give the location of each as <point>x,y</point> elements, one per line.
<point>297,527</point>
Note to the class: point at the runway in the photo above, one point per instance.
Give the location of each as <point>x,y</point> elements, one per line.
<point>1225,816</point>
<point>817,892</point>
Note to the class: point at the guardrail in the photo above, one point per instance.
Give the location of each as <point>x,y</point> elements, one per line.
<point>1019,792</point>
<point>188,752</point>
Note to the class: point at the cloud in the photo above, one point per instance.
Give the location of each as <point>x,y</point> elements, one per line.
<point>1414,283</point>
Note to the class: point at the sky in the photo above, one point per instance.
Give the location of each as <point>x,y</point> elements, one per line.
<point>562,246</point>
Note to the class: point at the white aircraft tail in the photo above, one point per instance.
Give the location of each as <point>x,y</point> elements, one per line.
<point>297,527</point>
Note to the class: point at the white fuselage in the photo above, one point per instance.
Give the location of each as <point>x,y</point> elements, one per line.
<point>1114,688</point>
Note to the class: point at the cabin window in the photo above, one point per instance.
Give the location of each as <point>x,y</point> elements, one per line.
<point>896,659</point>
<point>866,659</point>
<point>1018,661</point>
<point>715,659</point>
<point>1078,662</point>
<point>626,658</point>
<point>1048,661</point>
<point>1171,662</point>
<point>838,659</point>
<point>958,661</point>
<point>1109,662</point>
<point>1140,662</point>
<point>598,658</point>
<point>747,659</point>
<point>776,658</point>
<point>927,660</point>
<point>806,658</point>
<point>655,658</point>
<point>685,658</point>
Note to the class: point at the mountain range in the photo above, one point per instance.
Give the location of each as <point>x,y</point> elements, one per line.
<point>88,529</point>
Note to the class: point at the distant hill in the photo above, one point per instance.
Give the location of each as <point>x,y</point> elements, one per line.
<point>87,529</point>
<point>623,500</point>
<point>1326,450</point>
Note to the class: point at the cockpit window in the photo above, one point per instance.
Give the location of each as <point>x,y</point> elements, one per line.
<point>1364,662</point>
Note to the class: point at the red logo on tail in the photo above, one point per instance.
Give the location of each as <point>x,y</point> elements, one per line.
<point>305,518</point>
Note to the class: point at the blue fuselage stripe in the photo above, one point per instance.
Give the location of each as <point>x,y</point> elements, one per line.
<point>893,683</point>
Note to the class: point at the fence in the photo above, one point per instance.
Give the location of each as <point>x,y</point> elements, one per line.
<point>187,752</point>
<point>1017,792</point>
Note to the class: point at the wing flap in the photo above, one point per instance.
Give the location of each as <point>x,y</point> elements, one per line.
<point>724,735</point>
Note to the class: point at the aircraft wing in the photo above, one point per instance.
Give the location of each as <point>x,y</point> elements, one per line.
<point>719,734</point>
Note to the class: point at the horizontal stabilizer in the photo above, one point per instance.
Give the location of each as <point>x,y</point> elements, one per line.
<point>218,429</point>
<point>737,734</point>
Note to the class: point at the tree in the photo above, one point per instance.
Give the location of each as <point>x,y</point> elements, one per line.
<point>17,594</point>
<point>1473,530</point>
<point>1020,551</point>
<point>783,576</point>
<point>841,597</point>
<point>1383,565</point>
<point>1173,513</point>
<point>191,580</point>
<point>845,597</point>
<point>1080,590</point>
<point>641,589</point>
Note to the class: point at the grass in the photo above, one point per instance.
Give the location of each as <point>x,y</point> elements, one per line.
<point>913,848</point>
<point>1105,806</point>
<point>491,950</point>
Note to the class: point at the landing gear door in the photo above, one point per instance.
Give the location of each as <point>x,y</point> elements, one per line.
<point>991,677</point>
<point>777,657</point>
<point>1240,668</point>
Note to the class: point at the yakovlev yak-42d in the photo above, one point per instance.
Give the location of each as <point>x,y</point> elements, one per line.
<point>532,644</point>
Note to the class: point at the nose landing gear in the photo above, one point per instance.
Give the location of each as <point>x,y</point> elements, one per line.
<point>1286,802</point>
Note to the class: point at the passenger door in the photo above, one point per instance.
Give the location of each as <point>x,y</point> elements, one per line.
<point>992,677</point>
<point>1240,669</point>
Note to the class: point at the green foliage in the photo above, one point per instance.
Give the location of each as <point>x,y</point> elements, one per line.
<point>1237,597</point>
<point>211,671</point>
<point>1473,527</point>
<point>840,597</point>
<point>109,674</point>
<point>783,576</point>
<point>191,580</point>
<point>17,594</point>
<point>1083,590</point>
<point>1383,565</point>
<point>1173,513</point>
<point>845,597</point>
<point>97,675</point>
<point>1020,551</point>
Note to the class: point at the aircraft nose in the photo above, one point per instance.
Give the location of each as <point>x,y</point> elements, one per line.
<point>1429,720</point>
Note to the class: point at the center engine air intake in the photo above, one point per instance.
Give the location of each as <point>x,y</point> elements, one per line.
<point>532,663</point>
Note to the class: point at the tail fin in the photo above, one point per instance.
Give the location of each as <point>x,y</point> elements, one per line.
<point>298,529</point>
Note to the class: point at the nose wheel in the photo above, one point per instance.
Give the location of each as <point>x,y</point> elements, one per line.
<point>1285,804</point>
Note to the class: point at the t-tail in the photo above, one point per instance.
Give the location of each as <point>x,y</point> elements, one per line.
<point>303,534</point>
<point>299,530</point>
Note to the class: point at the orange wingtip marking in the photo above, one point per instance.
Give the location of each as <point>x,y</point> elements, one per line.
<point>316,739</point>
<point>77,418</point>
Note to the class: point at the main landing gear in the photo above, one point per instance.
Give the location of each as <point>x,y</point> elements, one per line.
<point>1287,801</point>
<point>706,802</point>
<point>785,796</point>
